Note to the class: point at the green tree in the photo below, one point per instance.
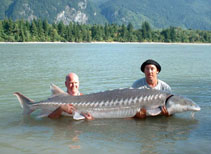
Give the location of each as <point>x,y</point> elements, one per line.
<point>54,35</point>
<point>61,30</point>
<point>106,32</point>
<point>69,30</point>
<point>172,34</point>
<point>40,30</point>
<point>1,32</point>
<point>123,33</point>
<point>33,30</point>
<point>146,31</point>
<point>8,26</point>
<point>45,27</point>
<point>139,35</point>
<point>86,33</point>
<point>167,35</point>
<point>114,32</point>
<point>20,36</point>
<point>94,32</point>
<point>130,36</point>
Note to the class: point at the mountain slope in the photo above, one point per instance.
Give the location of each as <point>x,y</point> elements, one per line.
<point>184,13</point>
<point>55,10</point>
<point>190,14</point>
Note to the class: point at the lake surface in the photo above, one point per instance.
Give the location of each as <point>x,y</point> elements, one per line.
<point>30,68</point>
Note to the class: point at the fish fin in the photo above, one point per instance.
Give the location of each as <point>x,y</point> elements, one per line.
<point>24,103</point>
<point>78,116</point>
<point>43,115</point>
<point>56,90</point>
<point>46,112</point>
<point>153,112</point>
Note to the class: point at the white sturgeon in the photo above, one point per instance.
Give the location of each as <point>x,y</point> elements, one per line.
<point>118,103</point>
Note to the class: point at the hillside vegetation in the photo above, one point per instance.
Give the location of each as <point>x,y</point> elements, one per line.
<point>42,31</point>
<point>187,14</point>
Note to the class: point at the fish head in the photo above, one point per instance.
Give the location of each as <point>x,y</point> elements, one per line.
<point>177,104</point>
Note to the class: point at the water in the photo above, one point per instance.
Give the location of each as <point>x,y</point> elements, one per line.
<point>30,68</point>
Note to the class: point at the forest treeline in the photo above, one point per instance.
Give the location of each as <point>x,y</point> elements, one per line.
<point>41,31</point>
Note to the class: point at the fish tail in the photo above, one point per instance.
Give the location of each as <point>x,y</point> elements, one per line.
<point>24,103</point>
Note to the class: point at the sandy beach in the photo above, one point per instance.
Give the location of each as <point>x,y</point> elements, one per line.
<point>179,43</point>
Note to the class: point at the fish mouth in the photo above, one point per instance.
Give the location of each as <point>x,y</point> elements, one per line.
<point>197,108</point>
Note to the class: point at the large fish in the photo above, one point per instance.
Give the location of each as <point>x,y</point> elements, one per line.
<point>118,103</point>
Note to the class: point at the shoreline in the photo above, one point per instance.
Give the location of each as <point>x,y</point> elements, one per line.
<point>159,43</point>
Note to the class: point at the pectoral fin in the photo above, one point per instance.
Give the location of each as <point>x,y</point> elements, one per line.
<point>153,112</point>
<point>45,112</point>
<point>78,116</point>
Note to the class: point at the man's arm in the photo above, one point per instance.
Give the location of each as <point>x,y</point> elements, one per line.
<point>88,116</point>
<point>142,113</point>
<point>63,108</point>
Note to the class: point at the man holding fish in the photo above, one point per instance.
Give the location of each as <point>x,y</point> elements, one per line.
<point>150,68</point>
<point>72,85</point>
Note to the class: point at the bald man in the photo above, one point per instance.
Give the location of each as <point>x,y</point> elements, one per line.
<point>72,85</point>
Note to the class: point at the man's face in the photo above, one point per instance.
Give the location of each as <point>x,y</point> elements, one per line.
<point>72,85</point>
<point>151,72</point>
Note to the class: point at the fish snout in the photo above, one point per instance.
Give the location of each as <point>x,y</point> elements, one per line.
<point>197,108</point>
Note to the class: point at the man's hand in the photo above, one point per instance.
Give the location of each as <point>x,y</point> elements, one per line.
<point>69,108</point>
<point>88,116</point>
<point>164,111</point>
<point>141,114</point>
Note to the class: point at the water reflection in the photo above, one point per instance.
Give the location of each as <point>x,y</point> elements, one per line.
<point>146,136</point>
